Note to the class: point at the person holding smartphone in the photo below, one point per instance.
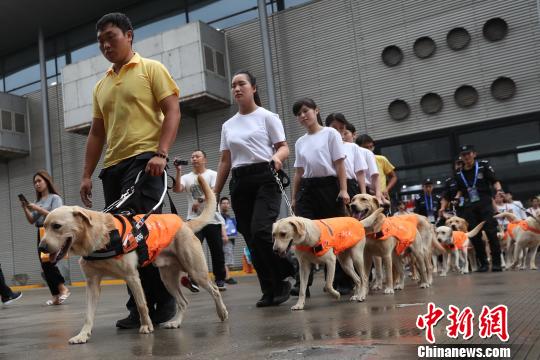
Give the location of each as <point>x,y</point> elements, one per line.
<point>48,199</point>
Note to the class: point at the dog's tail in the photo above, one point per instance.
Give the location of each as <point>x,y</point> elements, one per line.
<point>209,207</point>
<point>476,230</point>
<point>507,215</point>
<point>370,220</point>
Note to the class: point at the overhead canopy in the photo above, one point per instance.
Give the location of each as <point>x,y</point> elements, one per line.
<point>21,19</point>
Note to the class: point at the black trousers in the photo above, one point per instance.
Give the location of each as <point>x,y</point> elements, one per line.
<point>212,234</point>
<point>317,199</point>
<point>53,277</point>
<point>475,214</point>
<point>5,291</point>
<point>256,202</point>
<point>116,180</point>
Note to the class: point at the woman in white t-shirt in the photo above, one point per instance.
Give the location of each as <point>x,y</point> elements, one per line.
<point>320,180</point>
<point>355,164</point>
<point>250,140</point>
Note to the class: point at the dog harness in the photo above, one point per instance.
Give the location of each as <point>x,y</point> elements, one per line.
<point>522,224</point>
<point>156,234</point>
<point>458,240</point>
<point>339,234</point>
<point>402,227</point>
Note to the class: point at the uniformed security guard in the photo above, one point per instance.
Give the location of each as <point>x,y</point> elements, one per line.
<point>428,203</point>
<point>475,182</point>
<point>449,193</point>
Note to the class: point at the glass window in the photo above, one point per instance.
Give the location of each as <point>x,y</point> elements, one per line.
<point>209,58</point>
<point>22,77</point>
<point>26,89</point>
<point>412,178</point>
<point>218,9</point>
<point>85,52</point>
<point>289,3</point>
<point>419,152</point>
<point>60,63</point>
<point>220,63</point>
<point>502,138</point>
<point>1,83</point>
<point>6,120</point>
<point>159,26</point>
<point>50,67</point>
<point>508,168</point>
<point>19,123</point>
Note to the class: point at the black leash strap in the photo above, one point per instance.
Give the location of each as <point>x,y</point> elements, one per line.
<point>281,184</point>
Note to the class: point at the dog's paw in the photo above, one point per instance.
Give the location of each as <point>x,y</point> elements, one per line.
<point>424,285</point>
<point>399,286</point>
<point>415,277</point>
<point>335,294</point>
<point>376,286</point>
<point>297,307</point>
<point>443,274</point>
<point>82,338</point>
<point>388,291</point>
<point>146,329</point>
<point>223,315</point>
<point>534,267</point>
<point>358,298</point>
<point>171,325</point>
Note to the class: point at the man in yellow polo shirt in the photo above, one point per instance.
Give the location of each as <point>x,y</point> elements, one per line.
<point>136,113</point>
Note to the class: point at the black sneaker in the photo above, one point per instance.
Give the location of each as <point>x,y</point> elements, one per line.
<point>483,268</point>
<point>162,316</point>
<point>344,290</point>
<point>221,285</point>
<point>130,322</point>
<point>496,268</point>
<point>14,297</point>
<point>265,301</point>
<point>284,294</point>
<point>231,281</point>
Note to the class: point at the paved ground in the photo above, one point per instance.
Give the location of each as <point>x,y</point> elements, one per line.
<point>382,327</point>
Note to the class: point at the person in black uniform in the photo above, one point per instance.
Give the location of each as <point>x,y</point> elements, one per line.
<point>428,203</point>
<point>449,193</point>
<point>475,182</point>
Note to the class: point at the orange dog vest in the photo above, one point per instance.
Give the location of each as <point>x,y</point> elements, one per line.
<point>339,234</point>
<point>522,224</point>
<point>161,229</point>
<point>402,227</point>
<point>458,240</point>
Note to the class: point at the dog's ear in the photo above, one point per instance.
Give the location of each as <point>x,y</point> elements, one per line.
<point>83,214</point>
<point>376,202</point>
<point>298,227</point>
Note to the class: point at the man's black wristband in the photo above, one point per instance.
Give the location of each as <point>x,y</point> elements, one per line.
<point>160,155</point>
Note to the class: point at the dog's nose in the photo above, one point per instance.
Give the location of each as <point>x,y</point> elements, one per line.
<point>353,207</point>
<point>43,248</point>
<point>454,227</point>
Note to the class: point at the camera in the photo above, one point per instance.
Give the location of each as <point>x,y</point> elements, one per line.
<point>180,162</point>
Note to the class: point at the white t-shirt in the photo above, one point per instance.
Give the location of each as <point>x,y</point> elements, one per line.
<point>504,208</point>
<point>371,162</point>
<point>533,211</point>
<point>196,194</point>
<point>518,209</point>
<point>355,161</point>
<point>317,152</point>
<point>250,138</point>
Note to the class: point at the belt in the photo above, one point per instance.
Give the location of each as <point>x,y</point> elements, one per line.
<point>319,181</point>
<point>250,169</point>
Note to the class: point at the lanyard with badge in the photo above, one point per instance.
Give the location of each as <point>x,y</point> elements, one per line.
<point>474,196</point>
<point>429,208</point>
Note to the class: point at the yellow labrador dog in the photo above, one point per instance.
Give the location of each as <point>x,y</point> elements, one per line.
<point>317,241</point>
<point>456,244</point>
<point>526,234</point>
<point>82,232</point>
<point>363,205</point>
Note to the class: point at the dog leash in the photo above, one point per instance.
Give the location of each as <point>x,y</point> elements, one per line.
<point>280,184</point>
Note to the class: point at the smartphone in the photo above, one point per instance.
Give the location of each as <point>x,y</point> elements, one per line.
<point>22,198</point>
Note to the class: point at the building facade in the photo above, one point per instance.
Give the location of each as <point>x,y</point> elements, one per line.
<point>420,77</point>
